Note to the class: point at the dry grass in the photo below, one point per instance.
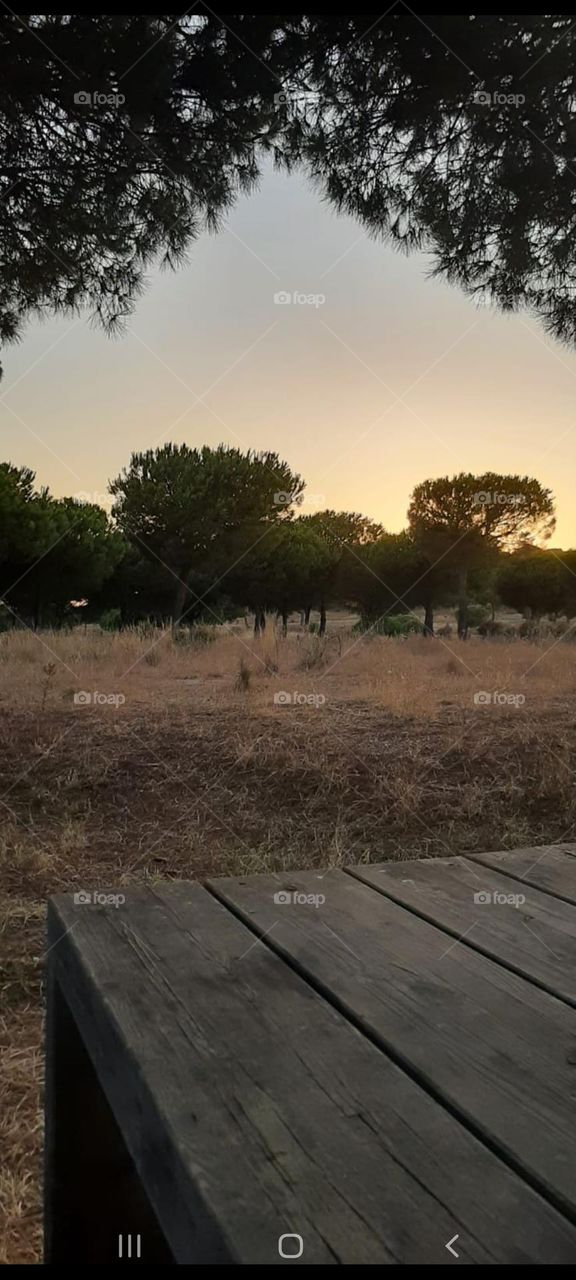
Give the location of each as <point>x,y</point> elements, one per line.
<point>200,771</point>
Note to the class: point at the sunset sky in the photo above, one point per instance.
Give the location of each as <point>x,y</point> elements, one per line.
<point>393,379</point>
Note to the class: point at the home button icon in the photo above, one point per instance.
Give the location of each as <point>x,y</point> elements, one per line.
<point>290,1252</point>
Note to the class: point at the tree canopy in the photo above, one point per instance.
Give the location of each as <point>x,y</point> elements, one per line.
<point>51,549</point>
<point>125,136</point>
<point>201,508</point>
<point>462,522</point>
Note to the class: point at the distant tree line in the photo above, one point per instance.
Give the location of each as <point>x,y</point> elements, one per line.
<point>208,534</point>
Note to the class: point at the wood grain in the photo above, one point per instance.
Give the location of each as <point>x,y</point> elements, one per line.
<point>548,867</point>
<point>496,1049</point>
<point>251,1107</point>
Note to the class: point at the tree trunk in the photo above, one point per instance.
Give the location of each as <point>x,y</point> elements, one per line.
<point>262,619</point>
<point>256,622</point>
<point>179,602</point>
<point>429,618</point>
<point>462,604</point>
<point>284,615</point>
<point>322,628</point>
<point>307,613</point>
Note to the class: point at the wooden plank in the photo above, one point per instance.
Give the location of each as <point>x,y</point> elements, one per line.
<point>91,1190</point>
<point>498,1050</point>
<point>252,1108</point>
<point>550,867</point>
<point>536,938</point>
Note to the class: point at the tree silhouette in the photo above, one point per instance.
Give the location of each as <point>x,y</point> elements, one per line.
<point>454,134</point>
<point>462,522</point>
<point>123,137</point>
<point>343,533</point>
<point>51,549</point>
<point>201,509</point>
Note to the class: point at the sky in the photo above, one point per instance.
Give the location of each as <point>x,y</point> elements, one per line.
<point>370,379</point>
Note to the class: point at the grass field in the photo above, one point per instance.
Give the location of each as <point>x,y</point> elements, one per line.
<point>181,763</point>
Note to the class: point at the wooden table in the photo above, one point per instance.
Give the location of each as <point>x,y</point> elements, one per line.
<point>365,1065</point>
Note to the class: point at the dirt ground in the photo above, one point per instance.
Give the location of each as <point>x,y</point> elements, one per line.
<point>182,760</point>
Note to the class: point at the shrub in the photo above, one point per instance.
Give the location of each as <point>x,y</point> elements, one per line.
<point>110,620</point>
<point>476,614</point>
<point>535,629</point>
<point>314,654</point>
<point>198,635</point>
<point>146,630</point>
<point>244,676</point>
<point>394,624</point>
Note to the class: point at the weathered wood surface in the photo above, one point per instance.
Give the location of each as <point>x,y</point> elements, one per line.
<point>240,1068</point>
<point>536,938</point>
<point>548,867</point>
<point>252,1108</point>
<point>497,1049</point>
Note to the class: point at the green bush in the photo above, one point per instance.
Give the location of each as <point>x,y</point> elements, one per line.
<point>110,620</point>
<point>476,614</point>
<point>7,620</point>
<point>394,624</point>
